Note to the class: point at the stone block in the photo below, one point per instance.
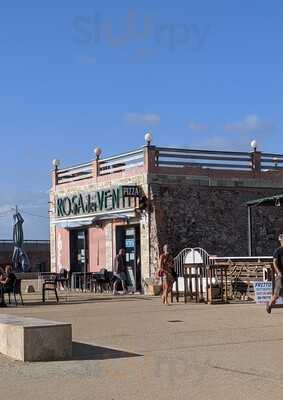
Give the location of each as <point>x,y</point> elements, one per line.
<point>32,339</point>
<point>29,289</point>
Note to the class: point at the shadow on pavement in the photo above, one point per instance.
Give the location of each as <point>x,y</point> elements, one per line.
<point>70,301</point>
<point>83,351</point>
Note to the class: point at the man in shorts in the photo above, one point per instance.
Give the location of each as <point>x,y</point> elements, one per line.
<point>120,271</point>
<point>278,267</point>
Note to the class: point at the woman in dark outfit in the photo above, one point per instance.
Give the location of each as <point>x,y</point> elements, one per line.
<point>166,269</point>
<point>6,283</point>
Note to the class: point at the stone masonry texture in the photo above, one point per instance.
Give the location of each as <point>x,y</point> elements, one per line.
<point>211,217</point>
<point>194,208</point>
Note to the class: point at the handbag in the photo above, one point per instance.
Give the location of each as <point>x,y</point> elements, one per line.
<point>160,273</point>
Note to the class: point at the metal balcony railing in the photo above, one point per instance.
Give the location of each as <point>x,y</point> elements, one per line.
<point>271,161</point>
<point>169,157</point>
<point>120,163</point>
<point>76,173</point>
<point>180,158</point>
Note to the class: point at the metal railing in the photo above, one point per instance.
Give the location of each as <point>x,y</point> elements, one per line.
<point>271,161</point>
<point>169,157</point>
<point>197,255</point>
<point>179,158</point>
<point>107,166</point>
<point>174,157</point>
<point>76,173</point>
<point>120,163</point>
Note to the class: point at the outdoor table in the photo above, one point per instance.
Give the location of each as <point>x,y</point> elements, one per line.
<point>81,280</point>
<point>189,276</point>
<point>196,273</point>
<point>214,271</point>
<point>247,271</point>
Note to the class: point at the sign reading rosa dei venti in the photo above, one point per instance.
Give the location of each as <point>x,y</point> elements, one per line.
<point>97,201</point>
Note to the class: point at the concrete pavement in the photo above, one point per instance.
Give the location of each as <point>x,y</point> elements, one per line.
<point>135,348</point>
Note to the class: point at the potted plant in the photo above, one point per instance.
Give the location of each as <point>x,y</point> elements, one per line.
<point>152,286</point>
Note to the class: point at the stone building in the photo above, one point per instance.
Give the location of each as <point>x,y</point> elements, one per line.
<point>142,199</point>
<point>38,252</point>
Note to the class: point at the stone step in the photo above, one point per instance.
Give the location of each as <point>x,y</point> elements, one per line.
<point>33,339</point>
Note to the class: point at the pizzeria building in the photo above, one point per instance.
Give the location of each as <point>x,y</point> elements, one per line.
<point>142,199</point>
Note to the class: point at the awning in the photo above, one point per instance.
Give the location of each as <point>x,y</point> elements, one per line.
<point>273,201</point>
<point>107,217</point>
<point>72,223</point>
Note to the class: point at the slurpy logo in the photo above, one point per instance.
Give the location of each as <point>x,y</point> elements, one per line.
<point>140,33</point>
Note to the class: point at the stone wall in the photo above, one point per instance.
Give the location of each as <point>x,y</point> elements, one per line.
<point>190,207</point>
<point>190,214</point>
<point>38,253</point>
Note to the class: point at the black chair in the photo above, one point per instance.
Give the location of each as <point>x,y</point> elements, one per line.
<point>15,290</point>
<point>109,280</point>
<point>102,280</point>
<point>99,279</point>
<point>239,287</point>
<point>64,279</point>
<point>50,285</point>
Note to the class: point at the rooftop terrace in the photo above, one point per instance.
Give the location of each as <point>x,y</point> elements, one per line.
<point>154,159</point>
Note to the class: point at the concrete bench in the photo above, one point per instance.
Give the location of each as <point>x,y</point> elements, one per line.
<point>32,339</point>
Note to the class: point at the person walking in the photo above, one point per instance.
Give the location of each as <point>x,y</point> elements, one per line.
<point>120,271</point>
<point>166,271</point>
<point>278,268</point>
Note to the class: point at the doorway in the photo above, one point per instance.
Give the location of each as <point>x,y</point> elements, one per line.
<point>79,250</point>
<point>128,238</point>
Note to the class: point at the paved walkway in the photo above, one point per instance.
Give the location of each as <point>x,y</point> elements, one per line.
<point>136,348</point>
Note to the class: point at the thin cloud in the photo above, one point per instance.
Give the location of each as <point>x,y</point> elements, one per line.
<point>5,209</point>
<point>197,126</point>
<point>233,135</point>
<point>250,124</point>
<point>151,119</point>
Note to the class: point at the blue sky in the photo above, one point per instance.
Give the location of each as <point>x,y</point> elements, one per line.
<point>74,75</point>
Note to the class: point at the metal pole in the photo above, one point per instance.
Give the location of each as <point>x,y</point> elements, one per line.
<point>250,233</point>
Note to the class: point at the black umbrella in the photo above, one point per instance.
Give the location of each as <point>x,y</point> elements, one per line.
<point>20,259</point>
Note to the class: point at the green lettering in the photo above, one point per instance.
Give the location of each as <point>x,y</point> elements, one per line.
<point>60,208</point>
<point>100,196</point>
<point>107,197</point>
<point>81,206</point>
<point>67,206</point>
<point>74,205</point>
<point>116,198</point>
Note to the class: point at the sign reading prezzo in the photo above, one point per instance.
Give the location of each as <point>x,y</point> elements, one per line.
<point>99,201</point>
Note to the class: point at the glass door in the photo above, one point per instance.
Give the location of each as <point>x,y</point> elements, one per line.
<point>128,238</point>
<point>130,248</point>
<point>79,251</point>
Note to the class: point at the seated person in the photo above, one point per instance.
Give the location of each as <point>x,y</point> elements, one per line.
<point>8,279</point>
<point>2,273</point>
